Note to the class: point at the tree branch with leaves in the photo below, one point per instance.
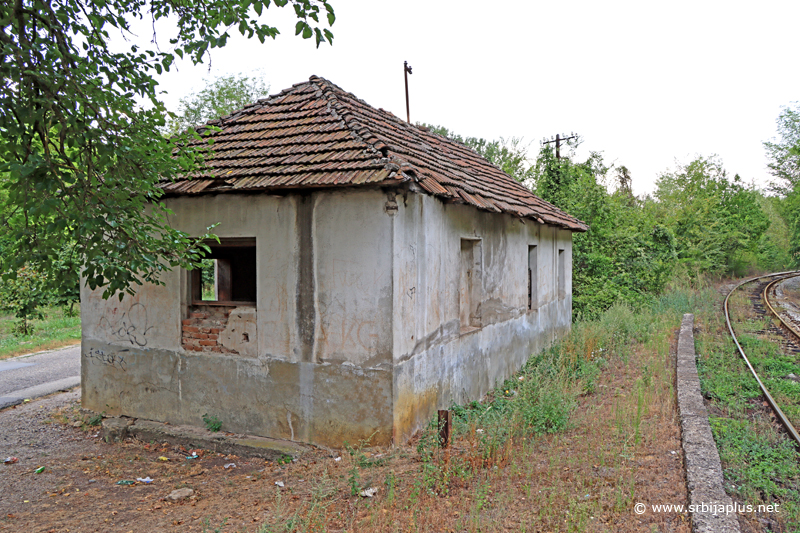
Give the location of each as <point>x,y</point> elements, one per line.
<point>82,156</point>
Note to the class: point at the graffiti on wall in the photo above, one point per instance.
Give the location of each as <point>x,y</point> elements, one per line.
<point>113,359</point>
<point>131,326</point>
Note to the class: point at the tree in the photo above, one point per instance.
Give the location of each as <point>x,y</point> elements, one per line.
<point>81,156</point>
<point>784,152</point>
<point>784,156</point>
<point>221,96</point>
<point>510,155</point>
<point>627,255</point>
<point>716,221</point>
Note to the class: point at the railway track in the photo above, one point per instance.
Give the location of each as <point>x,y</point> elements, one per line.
<point>789,333</point>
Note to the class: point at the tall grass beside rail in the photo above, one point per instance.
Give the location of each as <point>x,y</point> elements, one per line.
<point>540,398</point>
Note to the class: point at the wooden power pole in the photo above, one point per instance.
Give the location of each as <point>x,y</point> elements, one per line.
<point>558,140</point>
<point>406,72</point>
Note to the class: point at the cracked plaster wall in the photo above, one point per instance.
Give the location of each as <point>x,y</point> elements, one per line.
<point>436,361</point>
<point>356,328</point>
<point>315,363</point>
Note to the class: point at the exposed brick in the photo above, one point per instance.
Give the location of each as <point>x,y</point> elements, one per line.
<point>190,329</point>
<point>198,315</point>
<point>187,322</point>
<point>207,343</point>
<point>213,337</point>
<point>216,330</point>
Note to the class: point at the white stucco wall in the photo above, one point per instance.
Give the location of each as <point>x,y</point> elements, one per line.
<point>436,361</point>
<point>325,380</point>
<point>357,320</point>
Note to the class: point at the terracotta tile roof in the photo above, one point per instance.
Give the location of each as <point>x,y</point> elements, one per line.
<point>316,135</point>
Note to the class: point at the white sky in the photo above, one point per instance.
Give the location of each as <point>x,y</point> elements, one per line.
<point>645,84</point>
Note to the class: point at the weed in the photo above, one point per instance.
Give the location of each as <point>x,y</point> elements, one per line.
<point>212,423</point>
<point>390,483</point>
<point>96,420</point>
<point>207,524</point>
<point>639,406</point>
<point>354,480</point>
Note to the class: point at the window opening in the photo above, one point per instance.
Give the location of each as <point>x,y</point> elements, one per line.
<point>562,275</point>
<point>533,278</point>
<point>471,283</point>
<point>227,275</point>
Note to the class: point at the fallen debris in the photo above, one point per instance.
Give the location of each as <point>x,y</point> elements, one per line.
<point>180,494</point>
<point>368,493</point>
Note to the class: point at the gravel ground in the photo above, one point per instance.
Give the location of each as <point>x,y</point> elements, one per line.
<point>29,433</point>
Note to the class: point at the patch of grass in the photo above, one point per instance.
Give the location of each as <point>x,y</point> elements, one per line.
<point>56,330</point>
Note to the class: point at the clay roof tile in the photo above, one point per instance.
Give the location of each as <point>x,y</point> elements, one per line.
<point>316,134</point>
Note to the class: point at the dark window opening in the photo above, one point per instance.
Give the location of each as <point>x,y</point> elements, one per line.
<point>471,284</point>
<point>562,275</point>
<point>533,282</point>
<point>227,275</point>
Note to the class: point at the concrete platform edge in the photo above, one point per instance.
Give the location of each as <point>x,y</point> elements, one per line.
<point>711,508</point>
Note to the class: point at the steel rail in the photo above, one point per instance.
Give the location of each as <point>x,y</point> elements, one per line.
<point>781,416</point>
<point>765,297</point>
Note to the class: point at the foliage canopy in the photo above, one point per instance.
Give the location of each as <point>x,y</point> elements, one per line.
<point>82,155</point>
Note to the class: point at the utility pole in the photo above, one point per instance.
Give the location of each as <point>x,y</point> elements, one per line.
<point>406,72</point>
<point>558,140</point>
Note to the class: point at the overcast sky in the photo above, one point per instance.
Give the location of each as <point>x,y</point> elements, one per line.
<point>646,84</point>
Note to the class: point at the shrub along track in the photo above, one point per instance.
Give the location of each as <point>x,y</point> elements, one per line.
<point>785,335</point>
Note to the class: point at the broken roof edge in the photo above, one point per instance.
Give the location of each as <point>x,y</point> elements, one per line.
<point>399,181</point>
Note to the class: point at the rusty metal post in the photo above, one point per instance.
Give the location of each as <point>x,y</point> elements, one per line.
<point>445,424</point>
<point>406,72</point>
<point>558,146</point>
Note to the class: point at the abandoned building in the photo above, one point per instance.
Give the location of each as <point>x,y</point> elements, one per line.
<point>368,273</point>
